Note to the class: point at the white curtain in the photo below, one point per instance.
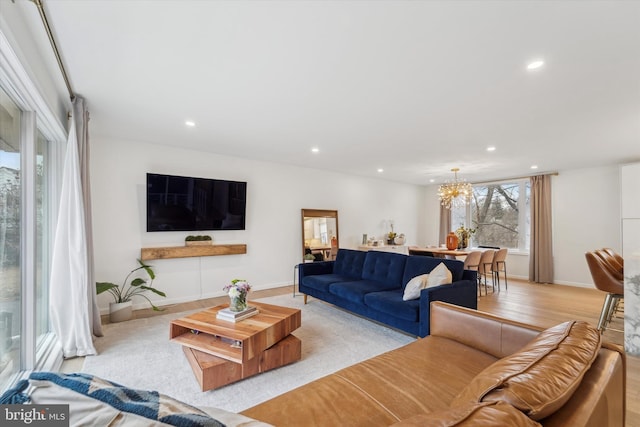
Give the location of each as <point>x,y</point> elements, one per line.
<point>73,308</point>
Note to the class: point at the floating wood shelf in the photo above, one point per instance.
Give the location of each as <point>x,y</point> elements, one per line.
<point>191,251</point>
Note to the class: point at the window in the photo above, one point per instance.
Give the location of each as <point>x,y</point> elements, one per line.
<point>10,241</point>
<point>499,212</point>
<point>31,141</point>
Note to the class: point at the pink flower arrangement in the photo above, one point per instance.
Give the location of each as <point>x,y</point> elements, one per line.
<point>237,288</point>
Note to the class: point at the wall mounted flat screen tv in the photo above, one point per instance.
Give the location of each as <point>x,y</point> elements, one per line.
<point>180,203</point>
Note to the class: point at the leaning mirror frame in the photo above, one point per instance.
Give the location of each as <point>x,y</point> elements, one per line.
<point>319,233</point>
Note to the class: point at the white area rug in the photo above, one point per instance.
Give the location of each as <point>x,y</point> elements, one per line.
<point>138,354</point>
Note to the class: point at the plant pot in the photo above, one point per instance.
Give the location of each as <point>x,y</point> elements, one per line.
<point>120,311</point>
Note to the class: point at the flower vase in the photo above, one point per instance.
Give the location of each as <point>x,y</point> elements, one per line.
<point>452,241</point>
<point>238,303</point>
<point>464,241</point>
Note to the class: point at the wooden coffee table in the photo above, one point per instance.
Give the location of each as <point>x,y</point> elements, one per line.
<point>222,352</point>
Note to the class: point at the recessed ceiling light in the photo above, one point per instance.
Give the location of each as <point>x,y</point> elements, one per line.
<point>535,64</point>
<point>432,180</point>
<point>190,123</point>
<point>380,170</point>
<point>315,150</point>
<point>491,148</point>
<point>534,166</point>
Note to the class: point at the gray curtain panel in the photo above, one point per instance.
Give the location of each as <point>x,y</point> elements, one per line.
<point>541,253</point>
<point>82,130</point>
<point>445,224</point>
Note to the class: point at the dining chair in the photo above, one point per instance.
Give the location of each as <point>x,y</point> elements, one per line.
<point>500,265</point>
<point>605,281</point>
<point>472,262</point>
<point>485,268</point>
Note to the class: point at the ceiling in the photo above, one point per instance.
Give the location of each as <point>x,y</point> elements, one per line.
<point>413,87</point>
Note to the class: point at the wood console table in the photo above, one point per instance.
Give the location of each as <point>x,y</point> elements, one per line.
<point>168,252</point>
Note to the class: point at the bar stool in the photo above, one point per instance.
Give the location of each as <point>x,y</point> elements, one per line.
<point>605,281</point>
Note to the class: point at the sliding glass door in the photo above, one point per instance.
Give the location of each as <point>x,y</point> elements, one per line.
<point>29,166</point>
<point>10,237</point>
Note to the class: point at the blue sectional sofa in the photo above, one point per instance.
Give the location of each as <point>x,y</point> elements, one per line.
<point>372,284</point>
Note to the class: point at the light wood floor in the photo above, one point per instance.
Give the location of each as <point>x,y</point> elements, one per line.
<point>540,305</point>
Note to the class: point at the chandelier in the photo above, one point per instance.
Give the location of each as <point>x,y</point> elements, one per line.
<point>454,193</point>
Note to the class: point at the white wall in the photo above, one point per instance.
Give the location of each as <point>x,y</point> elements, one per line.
<point>586,216</point>
<point>276,193</point>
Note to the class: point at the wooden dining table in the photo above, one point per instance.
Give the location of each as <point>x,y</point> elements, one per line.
<point>439,252</point>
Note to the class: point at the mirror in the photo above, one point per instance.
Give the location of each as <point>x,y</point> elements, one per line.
<point>319,235</point>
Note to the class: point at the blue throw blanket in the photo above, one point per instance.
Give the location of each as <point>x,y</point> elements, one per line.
<point>148,404</point>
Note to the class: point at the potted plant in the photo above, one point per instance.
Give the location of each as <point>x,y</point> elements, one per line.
<point>197,240</point>
<point>120,309</point>
<point>464,235</point>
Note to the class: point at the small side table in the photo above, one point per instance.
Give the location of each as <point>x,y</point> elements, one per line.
<point>295,275</point>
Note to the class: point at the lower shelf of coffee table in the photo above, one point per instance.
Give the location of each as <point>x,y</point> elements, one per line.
<point>214,372</point>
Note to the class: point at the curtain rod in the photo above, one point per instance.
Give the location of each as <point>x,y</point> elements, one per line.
<point>516,177</point>
<point>47,28</point>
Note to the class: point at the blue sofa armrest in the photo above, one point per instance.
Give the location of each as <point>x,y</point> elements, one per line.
<point>470,275</point>
<point>462,293</point>
<point>314,268</point>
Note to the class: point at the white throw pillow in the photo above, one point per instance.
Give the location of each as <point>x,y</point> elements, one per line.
<point>439,276</point>
<point>413,288</point>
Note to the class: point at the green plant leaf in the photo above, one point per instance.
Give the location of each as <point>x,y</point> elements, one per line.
<point>148,269</point>
<point>138,281</point>
<point>154,290</point>
<point>104,286</point>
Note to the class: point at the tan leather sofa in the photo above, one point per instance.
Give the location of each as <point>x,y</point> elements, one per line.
<point>422,382</point>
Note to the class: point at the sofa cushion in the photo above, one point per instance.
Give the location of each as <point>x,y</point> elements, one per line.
<point>393,303</point>
<point>541,377</point>
<point>439,276</point>
<point>321,282</point>
<point>478,415</point>
<point>417,265</point>
<point>384,267</point>
<point>356,290</point>
<point>413,288</point>
<point>349,263</point>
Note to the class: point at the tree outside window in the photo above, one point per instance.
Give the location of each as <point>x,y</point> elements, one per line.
<point>499,212</point>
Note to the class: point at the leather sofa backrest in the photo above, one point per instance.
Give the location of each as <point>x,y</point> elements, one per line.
<point>417,265</point>
<point>491,334</point>
<point>387,267</point>
<point>349,263</point>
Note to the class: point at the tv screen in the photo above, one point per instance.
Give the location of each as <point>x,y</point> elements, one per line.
<point>179,203</point>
